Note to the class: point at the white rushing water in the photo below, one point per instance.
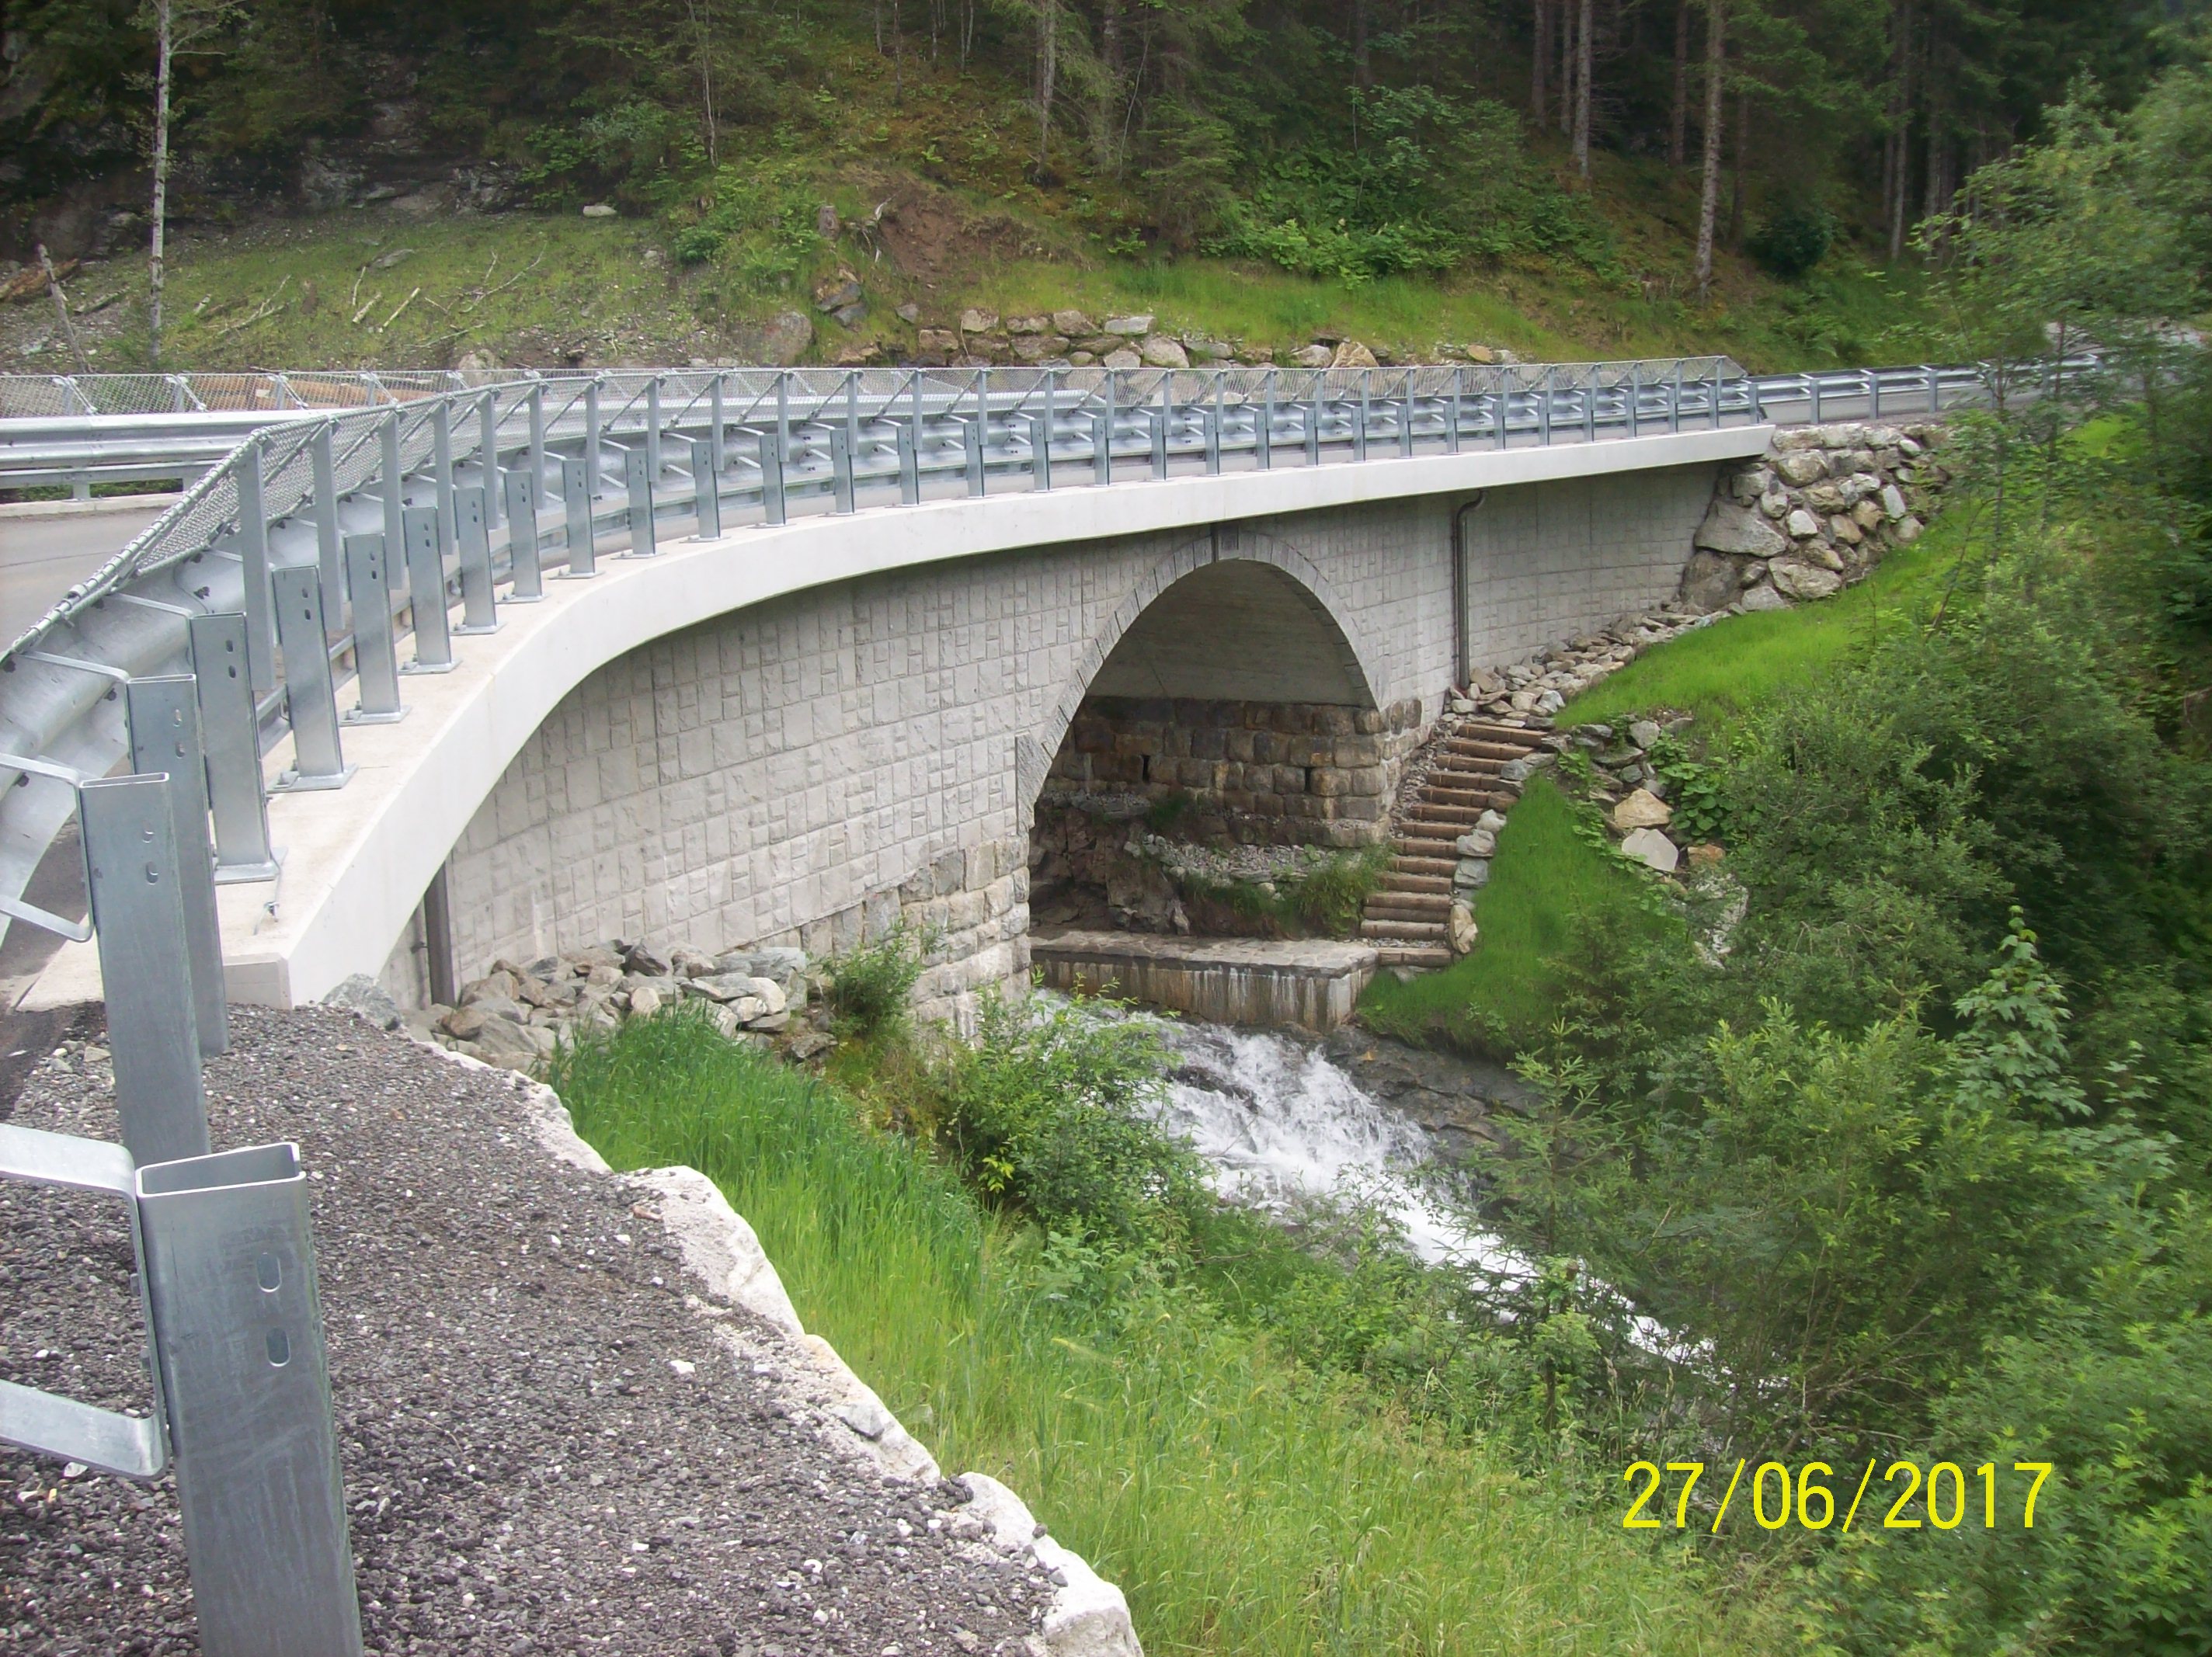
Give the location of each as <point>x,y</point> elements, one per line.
<point>1278,1121</point>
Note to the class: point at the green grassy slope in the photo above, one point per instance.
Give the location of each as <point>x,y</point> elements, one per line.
<point>1245,1506</point>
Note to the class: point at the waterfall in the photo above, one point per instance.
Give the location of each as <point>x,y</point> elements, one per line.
<point>1277,1121</point>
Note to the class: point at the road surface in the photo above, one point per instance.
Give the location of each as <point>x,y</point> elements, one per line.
<point>43,556</point>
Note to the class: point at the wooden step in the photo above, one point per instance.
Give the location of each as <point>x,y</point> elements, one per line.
<point>1394,882</point>
<point>1424,811</point>
<point>1422,957</point>
<point>1409,906</point>
<point>1432,795</point>
<point>1467,748</point>
<point>1411,930</point>
<point>1484,731</point>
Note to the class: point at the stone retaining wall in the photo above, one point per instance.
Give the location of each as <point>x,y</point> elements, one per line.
<point>1813,515</point>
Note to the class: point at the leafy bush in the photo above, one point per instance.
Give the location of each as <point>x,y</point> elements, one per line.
<point>1794,239</point>
<point>869,986</point>
<point>1050,1111</point>
<point>760,227</point>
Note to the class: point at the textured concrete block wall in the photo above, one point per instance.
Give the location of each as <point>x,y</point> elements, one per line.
<point>1547,562</point>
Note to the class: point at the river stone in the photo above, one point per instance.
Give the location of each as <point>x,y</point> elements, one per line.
<point>973,321</point>
<point>1644,732</point>
<point>644,1001</point>
<point>1801,466</point>
<point>1730,528</point>
<point>1866,514</point>
<point>1710,580</point>
<point>1801,524</point>
<point>1642,810</point>
<point>1471,874</point>
<point>1131,327</point>
<point>1074,324</point>
<point>1652,849</point>
<point>1490,820</point>
<point>1908,529</point>
<point>599,210</point>
<point>1352,354</point>
<point>362,995</point>
<point>1121,360</point>
<point>1801,580</point>
<point>1162,352</point>
<point>1476,843</point>
<point>1892,502</point>
<point>1463,934</point>
<point>1763,596</point>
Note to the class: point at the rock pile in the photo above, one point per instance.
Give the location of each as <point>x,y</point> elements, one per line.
<point>517,1014</point>
<point>1529,692</point>
<point>1815,513</point>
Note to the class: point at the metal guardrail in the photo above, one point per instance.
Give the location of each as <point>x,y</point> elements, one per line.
<point>318,549</point>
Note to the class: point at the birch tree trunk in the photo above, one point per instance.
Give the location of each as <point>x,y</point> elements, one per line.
<point>157,265</point>
<point>1708,199</point>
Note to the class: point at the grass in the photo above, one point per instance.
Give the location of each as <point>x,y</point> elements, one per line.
<point>1244,1505</point>
<point>1548,888</point>
<point>1722,672</point>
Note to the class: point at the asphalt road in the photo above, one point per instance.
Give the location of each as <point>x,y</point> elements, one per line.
<point>42,558</point>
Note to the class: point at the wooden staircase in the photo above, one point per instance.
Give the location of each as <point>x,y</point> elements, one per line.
<point>1408,917</point>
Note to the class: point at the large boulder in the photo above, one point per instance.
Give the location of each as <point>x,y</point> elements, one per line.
<point>1653,850</point>
<point>1642,810</point>
<point>1710,579</point>
<point>1801,580</point>
<point>1801,466</point>
<point>777,342</point>
<point>1350,353</point>
<point>1162,352</point>
<point>1736,529</point>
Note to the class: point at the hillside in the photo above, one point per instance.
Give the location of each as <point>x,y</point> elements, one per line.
<point>407,186</point>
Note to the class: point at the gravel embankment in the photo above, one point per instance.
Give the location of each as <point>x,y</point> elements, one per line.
<point>546,1447</point>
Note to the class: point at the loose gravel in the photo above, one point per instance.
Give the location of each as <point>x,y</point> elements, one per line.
<point>547,1447</point>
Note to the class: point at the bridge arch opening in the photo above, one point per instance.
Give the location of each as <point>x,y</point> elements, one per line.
<point>1233,712</point>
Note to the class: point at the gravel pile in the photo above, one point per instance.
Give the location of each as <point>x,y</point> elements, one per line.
<point>546,1449</point>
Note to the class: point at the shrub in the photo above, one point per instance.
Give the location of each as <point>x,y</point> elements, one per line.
<point>1791,242</point>
<point>869,985</point>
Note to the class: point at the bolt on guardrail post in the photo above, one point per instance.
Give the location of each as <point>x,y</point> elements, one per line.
<point>705,490</point>
<point>783,419</point>
<point>145,965</point>
<point>375,651</point>
<point>426,593</point>
<point>716,417</point>
<point>441,468</point>
<point>1210,413</point>
<point>526,575</point>
<point>245,1380</point>
<point>591,436</point>
<point>1451,420</point>
<point>487,455</point>
<point>391,482</point>
<point>1263,441</point>
<point>253,554</point>
<point>1365,415</point>
<point>1406,414</point>
<point>773,504</point>
<point>326,521</point>
<point>637,480</point>
<point>1041,453</point>
<point>653,429</point>
<point>1313,423</point>
<point>472,530</point>
<point>1163,420</point>
<point>232,737</point>
<point>576,502</point>
<point>537,437</point>
<point>164,716</point>
<point>1102,446</point>
<point>909,459</point>
<point>1544,411</point>
<point>310,698</point>
<point>840,469</point>
<point>972,433</point>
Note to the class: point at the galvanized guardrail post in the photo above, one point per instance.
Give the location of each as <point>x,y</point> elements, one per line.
<point>637,477</point>
<point>576,502</point>
<point>472,535</point>
<point>840,469</point>
<point>232,736</point>
<point>773,504</point>
<point>1041,453</point>
<point>145,965</point>
<point>164,716</point>
<point>375,650</point>
<point>525,575</point>
<point>241,1400</point>
<point>909,459</point>
<point>488,456</point>
<point>1210,417</point>
<point>310,698</point>
<point>1313,423</point>
<point>972,433</point>
<point>327,551</point>
<point>1162,418</point>
<point>706,491</point>
<point>426,593</point>
<point>230,1277</point>
<point>253,554</point>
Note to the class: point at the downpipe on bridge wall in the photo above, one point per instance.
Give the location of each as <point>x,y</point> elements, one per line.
<point>1462,670</point>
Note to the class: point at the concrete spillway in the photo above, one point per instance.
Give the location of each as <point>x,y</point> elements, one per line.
<point>1300,983</point>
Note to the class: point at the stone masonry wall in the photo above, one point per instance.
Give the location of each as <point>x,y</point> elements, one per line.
<point>1286,774</point>
<point>1812,516</point>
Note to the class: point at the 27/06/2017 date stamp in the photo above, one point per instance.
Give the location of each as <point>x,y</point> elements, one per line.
<point>1780,1496</point>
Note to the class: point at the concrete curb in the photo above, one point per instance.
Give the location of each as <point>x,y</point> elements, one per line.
<point>1089,1616</point>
